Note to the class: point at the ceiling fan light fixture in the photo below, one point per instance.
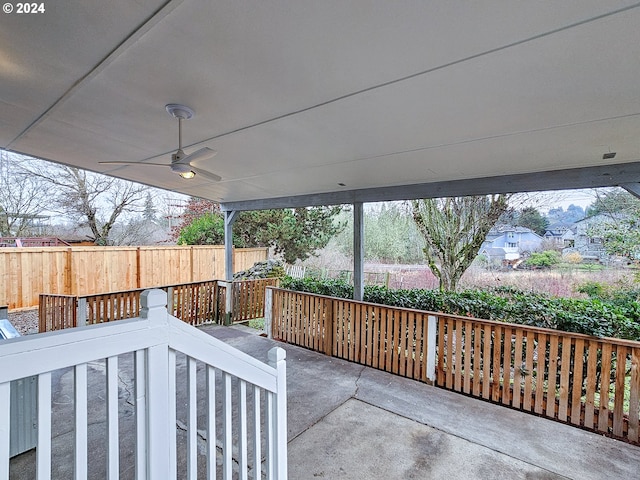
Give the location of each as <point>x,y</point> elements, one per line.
<point>187,175</point>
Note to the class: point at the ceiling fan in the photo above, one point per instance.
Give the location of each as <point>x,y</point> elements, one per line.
<point>181,163</point>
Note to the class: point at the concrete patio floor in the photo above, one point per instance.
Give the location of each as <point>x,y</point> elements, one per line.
<point>346,421</point>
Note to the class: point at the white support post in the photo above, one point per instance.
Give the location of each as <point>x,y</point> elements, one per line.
<point>268,311</point>
<point>358,251</point>
<point>81,312</point>
<point>229,219</point>
<point>432,326</point>
<point>277,357</point>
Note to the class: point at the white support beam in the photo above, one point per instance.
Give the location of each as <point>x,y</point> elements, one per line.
<point>566,179</point>
<point>229,219</point>
<point>358,251</point>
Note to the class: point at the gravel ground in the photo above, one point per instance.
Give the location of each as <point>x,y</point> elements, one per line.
<point>25,321</point>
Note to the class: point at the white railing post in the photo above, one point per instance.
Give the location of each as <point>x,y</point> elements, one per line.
<point>277,357</point>
<point>432,325</point>
<point>268,311</point>
<point>159,430</point>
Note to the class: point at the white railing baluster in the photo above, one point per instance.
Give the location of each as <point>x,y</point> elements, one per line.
<point>211,423</point>
<point>43,452</point>
<point>81,419</point>
<point>227,417</point>
<point>242,429</point>
<point>173,455</point>
<point>5,424</point>
<point>113,449</point>
<point>140,374</point>
<point>192,419</point>
<point>270,425</point>
<point>257,453</point>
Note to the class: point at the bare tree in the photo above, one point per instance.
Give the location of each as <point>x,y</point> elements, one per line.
<point>454,229</point>
<point>92,200</point>
<point>24,198</point>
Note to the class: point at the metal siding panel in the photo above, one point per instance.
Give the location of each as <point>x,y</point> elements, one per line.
<point>24,432</point>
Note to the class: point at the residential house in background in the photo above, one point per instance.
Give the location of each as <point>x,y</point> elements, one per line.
<point>555,234</point>
<point>579,238</point>
<point>508,245</point>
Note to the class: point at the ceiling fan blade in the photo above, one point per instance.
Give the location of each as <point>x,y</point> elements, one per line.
<point>201,154</point>
<point>136,163</point>
<point>204,173</point>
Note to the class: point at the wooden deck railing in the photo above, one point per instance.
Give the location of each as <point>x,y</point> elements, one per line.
<point>56,312</point>
<point>195,303</point>
<point>248,298</point>
<point>391,339</point>
<point>593,383</point>
<point>584,381</point>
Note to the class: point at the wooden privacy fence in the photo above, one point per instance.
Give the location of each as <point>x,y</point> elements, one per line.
<point>589,382</point>
<point>25,273</point>
<point>195,303</point>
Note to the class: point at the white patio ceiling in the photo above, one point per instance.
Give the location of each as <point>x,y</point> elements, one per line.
<point>390,99</point>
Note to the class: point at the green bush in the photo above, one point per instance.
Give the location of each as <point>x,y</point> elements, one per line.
<point>545,259</point>
<point>593,289</point>
<point>205,230</point>
<point>617,317</point>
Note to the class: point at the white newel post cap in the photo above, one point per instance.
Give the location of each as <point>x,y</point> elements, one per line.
<point>153,301</point>
<point>276,355</point>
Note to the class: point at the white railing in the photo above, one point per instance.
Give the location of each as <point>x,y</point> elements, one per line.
<point>251,426</point>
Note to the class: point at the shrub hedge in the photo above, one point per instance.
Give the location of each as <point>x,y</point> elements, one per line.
<point>617,316</point>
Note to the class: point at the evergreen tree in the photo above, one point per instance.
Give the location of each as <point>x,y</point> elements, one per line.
<point>293,233</point>
<point>531,218</point>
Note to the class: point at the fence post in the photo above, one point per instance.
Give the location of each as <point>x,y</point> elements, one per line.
<point>81,312</point>
<point>432,325</point>
<point>328,327</point>
<point>268,312</point>
<point>277,357</point>
<point>228,304</point>
<point>170,300</point>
